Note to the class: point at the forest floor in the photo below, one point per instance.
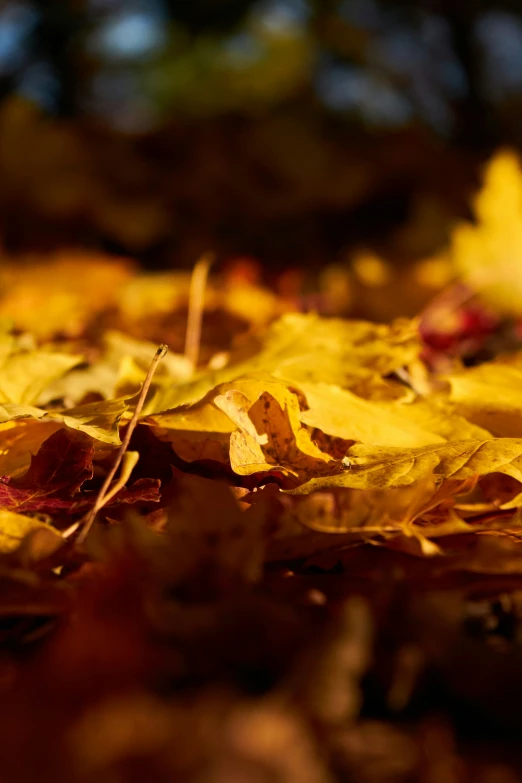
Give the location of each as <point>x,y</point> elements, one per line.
<point>248,534</point>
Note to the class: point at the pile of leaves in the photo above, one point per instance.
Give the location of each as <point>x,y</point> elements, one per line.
<point>289,549</point>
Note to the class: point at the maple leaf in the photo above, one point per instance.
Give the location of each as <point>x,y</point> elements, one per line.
<point>60,294</point>
<point>343,414</point>
<point>332,350</point>
<point>207,530</point>
<point>117,372</point>
<point>19,439</point>
<point>52,483</point>
<point>25,429</point>
<point>270,435</point>
<point>25,375</point>
<point>308,348</point>
<point>98,420</point>
<point>143,490</point>
<point>487,395</point>
<point>252,423</point>
<point>487,254</point>
<point>55,475</point>
<point>339,517</point>
<point>15,527</point>
<point>372,467</point>
<point>288,447</point>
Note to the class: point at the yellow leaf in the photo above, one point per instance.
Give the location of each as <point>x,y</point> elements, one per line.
<point>198,432</point>
<point>352,516</point>
<point>437,416</point>
<point>307,348</point>
<point>251,302</point>
<point>26,428</point>
<point>487,254</point>
<point>14,527</point>
<point>260,419</point>
<point>332,350</point>
<point>119,371</point>
<point>203,416</point>
<point>119,346</point>
<point>19,439</point>
<point>100,420</point>
<point>339,412</point>
<point>281,442</point>
<point>153,293</point>
<point>379,468</point>
<point>12,411</point>
<point>236,406</point>
<point>24,376</point>
<point>489,396</point>
<point>58,295</point>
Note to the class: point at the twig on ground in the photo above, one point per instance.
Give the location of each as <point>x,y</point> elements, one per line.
<point>104,493</point>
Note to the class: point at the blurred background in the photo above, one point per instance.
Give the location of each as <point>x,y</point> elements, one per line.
<point>290,131</point>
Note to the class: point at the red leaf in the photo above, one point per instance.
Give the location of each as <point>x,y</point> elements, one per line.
<point>144,490</point>
<point>56,475</point>
<point>63,463</point>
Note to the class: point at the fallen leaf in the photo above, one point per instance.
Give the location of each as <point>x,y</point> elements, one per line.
<point>58,295</point>
<point>24,376</point>
<point>99,420</point>
<point>63,463</point>
<point>343,414</point>
<point>252,422</point>
<point>379,468</point>
<point>486,253</point>
<point>208,530</point>
<point>307,348</point>
<point>488,396</point>
<point>15,527</point>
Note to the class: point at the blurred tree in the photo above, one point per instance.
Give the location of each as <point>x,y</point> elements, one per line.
<point>289,129</point>
<point>208,15</point>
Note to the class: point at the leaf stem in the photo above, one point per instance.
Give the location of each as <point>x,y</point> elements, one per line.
<point>104,491</point>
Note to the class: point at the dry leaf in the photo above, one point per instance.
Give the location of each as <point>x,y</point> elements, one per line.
<point>487,254</point>
<point>15,527</point>
<point>378,468</point>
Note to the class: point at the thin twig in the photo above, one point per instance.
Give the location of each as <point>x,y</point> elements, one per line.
<point>90,516</point>
<point>198,283</point>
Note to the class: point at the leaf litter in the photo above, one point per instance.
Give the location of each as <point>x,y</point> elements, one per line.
<point>287,551</point>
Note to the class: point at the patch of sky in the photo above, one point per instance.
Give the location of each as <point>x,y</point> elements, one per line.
<point>281,17</point>
<point>397,50</point>
<point>421,59</point>
<point>129,34</point>
<point>435,37</point>
<point>40,84</point>
<point>499,33</point>
<point>17,21</point>
<point>347,88</point>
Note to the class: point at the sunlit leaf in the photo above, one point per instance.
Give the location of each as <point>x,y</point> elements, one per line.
<point>15,527</point>
<point>372,467</point>
<point>24,376</point>
<point>487,254</point>
<point>307,348</point>
<point>488,395</point>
